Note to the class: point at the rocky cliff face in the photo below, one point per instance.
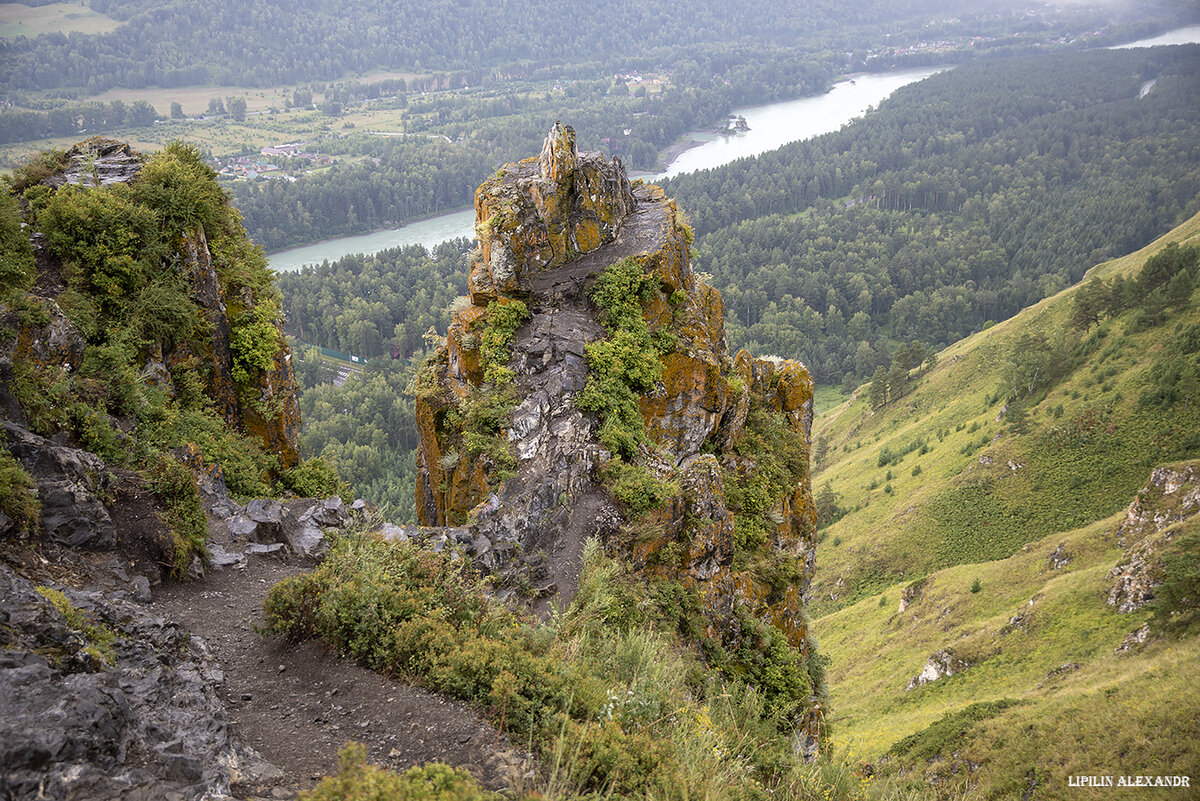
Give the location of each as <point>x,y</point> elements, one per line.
<point>510,466</point>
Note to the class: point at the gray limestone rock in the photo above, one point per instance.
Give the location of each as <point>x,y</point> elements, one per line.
<point>139,590</point>
<point>146,722</point>
<point>242,527</point>
<point>1060,558</point>
<point>267,515</point>
<point>942,664</point>
<point>70,484</point>
<point>99,161</point>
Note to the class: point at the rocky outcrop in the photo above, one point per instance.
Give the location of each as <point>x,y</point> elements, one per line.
<point>911,593</point>
<point>543,212</point>
<point>269,406</point>
<point>265,527</point>
<point>71,485</point>
<point>265,406</point>
<point>548,226</point>
<point>941,665</point>
<point>1171,496</point>
<point>98,162</point>
<point>106,701</point>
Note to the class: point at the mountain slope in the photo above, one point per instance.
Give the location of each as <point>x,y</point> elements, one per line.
<point>984,595</point>
<point>1089,446</point>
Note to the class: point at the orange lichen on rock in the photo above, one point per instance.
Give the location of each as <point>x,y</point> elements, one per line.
<point>687,405</point>
<point>540,213</point>
<point>462,345</point>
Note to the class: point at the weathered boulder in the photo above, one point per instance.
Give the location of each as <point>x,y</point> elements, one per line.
<point>941,665</point>
<point>99,161</point>
<point>71,483</point>
<point>55,343</point>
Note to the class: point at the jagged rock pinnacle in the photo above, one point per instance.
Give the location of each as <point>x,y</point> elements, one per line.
<point>524,494</point>
<point>558,159</point>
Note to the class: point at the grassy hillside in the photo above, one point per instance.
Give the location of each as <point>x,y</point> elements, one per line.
<point>964,513</point>
<point>1089,446</point>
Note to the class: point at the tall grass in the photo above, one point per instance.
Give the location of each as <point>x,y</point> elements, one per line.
<point>606,695</point>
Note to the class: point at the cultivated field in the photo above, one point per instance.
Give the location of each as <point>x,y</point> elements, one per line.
<point>20,20</point>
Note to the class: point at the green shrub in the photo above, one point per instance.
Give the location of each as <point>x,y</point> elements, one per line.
<point>40,167</point>
<point>110,243</point>
<point>175,488</point>
<point>780,461</point>
<point>1177,600</point>
<point>627,363</point>
<point>183,190</point>
<point>44,394</point>
<point>606,697</point>
<point>254,341</point>
<point>976,585</point>
<point>18,493</point>
<point>946,734</point>
<point>635,486</point>
<point>481,423</point>
<point>315,478</point>
<point>17,267</point>
<point>495,342</point>
<point>358,781</point>
<point>244,464</point>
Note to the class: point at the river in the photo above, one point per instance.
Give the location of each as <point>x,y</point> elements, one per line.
<point>777,124</point>
<point>1188,35</point>
<point>429,233</point>
<point>771,127</point>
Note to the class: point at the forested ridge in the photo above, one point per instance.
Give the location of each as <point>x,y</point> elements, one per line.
<point>157,43</point>
<point>479,82</point>
<point>963,199</point>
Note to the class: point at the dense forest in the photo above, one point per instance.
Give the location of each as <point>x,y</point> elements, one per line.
<point>157,43</point>
<point>963,199</point>
<point>365,304</point>
<point>366,428</point>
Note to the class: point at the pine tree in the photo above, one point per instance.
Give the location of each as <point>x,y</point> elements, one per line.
<point>897,381</point>
<point>826,502</point>
<point>1018,418</point>
<point>1091,300</point>
<point>879,388</point>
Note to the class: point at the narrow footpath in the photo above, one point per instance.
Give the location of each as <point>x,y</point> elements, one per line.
<point>298,704</point>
